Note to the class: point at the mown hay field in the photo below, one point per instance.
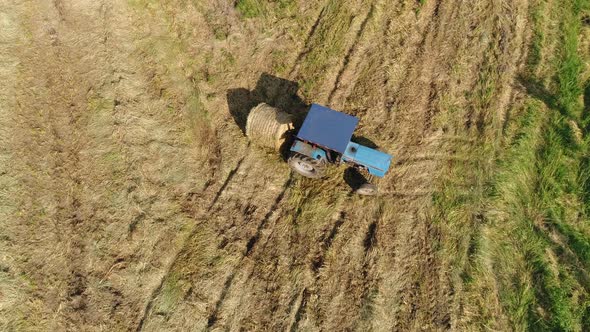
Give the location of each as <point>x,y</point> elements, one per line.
<point>131,200</point>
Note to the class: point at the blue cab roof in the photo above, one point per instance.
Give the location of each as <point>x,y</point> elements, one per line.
<point>328,128</point>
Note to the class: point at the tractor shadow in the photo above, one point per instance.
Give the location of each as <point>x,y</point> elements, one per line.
<point>352,176</point>
<point>364,141</point>
<point>354,179</point>
<point>537,90</point>
<point>274,91</point>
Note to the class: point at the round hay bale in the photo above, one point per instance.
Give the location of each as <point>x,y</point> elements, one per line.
<point>267,126</point>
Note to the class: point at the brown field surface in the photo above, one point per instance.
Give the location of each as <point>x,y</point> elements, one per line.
<point>131,200</point>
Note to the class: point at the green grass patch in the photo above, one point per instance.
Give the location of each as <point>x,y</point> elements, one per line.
<point>250,8</point>
<point>549,194</point>
<point>538,35</point>
<point>531,191</point>
<point>170,294</point>
<point>420,4</point>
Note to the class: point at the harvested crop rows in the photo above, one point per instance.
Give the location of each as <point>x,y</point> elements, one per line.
<point>128,159</point>
<point>366,256</point>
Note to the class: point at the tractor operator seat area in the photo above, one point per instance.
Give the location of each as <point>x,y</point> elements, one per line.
<point>328,128</point>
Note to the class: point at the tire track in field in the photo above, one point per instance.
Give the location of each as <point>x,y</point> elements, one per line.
<point>420,295</point>
<point>200,216</point>
<point>106,20</point>
<point>218,304</point>
<point>368,274</point>
<point>68,136</point>
<point>59,147</point>
<point>193,208</point>
<point>363,282</point>
<point>213,317</point>
<point>565,255</point>
<point>316,263</point>
<point>410,185</point>
<point>419,267</point>
<point>196,214</point>
<point>411,249</point>
<point>326,243</point>
<point>507,50</point>
<point>352,57</point>
<point>109,39</point>
<point>254,270</point>
<point>305,49</point>
<point>405,41</point>
<point>300,311</point>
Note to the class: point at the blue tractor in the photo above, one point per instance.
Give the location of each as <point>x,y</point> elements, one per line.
<point>323,138</point>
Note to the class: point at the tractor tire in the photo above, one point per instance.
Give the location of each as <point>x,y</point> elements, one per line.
<point>367,189</point>
<point>306,166</point>
<point>268,126</point>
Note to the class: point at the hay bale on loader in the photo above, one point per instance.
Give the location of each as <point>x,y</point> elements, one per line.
<point>267,126</point>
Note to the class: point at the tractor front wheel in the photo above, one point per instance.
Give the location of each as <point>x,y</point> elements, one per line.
<point>306,166</point>
<point>367,189</point>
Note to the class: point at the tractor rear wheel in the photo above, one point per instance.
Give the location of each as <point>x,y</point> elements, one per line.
<point>367,189</point>
<point>306,166</point>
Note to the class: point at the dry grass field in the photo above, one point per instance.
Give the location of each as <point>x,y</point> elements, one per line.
<point>130,199</point>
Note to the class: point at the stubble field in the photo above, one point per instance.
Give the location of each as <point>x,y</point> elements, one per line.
<point>130,199</point>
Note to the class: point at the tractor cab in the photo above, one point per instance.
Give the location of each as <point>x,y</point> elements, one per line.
<point>327,128</point>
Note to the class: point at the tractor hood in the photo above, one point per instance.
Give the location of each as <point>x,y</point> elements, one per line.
<point>376,161</point>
